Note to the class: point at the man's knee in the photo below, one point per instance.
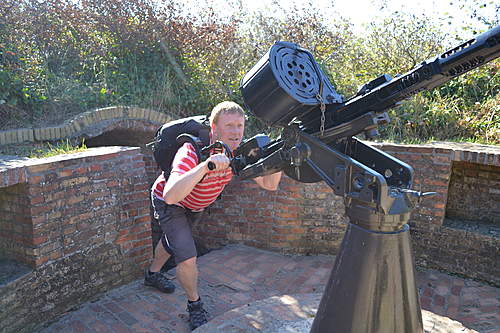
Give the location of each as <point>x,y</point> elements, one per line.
<point>188,263</point>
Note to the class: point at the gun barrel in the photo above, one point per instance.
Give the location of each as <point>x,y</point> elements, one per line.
<point>471,54</point>
<point>425,76</point>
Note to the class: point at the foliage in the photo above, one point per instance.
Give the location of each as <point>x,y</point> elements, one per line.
<point>59,58</point>
<point>44,150</point>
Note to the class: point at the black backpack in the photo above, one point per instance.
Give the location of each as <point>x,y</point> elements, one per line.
<point>172,135</point>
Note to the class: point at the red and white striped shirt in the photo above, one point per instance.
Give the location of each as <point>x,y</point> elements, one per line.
<point>206,191</point>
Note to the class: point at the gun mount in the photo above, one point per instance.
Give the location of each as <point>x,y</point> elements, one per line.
<point>372,285</point>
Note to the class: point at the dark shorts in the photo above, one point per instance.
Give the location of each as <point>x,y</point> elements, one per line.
<point>175,223</point>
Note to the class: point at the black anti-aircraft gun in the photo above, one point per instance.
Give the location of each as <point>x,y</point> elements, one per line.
<point>372,286</point>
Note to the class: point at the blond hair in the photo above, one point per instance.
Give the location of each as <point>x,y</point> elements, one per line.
<point>225,107</point>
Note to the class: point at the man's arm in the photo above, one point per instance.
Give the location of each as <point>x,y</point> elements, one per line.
<point>178,186</point>
<point>269,182</point>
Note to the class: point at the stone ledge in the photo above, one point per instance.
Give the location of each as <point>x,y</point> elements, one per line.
<point>83,123</point>
<point>13,168</point>
<point>458,152</point>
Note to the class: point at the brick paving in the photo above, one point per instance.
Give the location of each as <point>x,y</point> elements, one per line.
<point>237,276</point>
<point>295,314</point>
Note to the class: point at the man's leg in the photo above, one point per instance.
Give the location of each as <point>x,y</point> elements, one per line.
<point>187,270</point>
<point>153,277</point>
<point>178,241</point>
<point>160,257</point>
<point>187,274</point>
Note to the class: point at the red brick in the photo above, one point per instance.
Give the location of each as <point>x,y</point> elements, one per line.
<point>42,167</point>
<point>95,167</point>
<point>55,255</point>
<point>441,159</point>
<point>97,203</point>
<point>69,230</point>
<point>81,170</point>
<point>297,230</point>
<point>39,240</point>
<point>425,302</point>
<point>286,215</point>
<point>439,300</point>
<point>436,182</point>
<point>35,179</point>
<point>105,157</point>
<point>74,200</point>
<point>64,173</point>
<point>137,196</point>
<point>124,238</point>
<point>455,290</point>
<point>138,228</point>
<point>36,210</point>
<point>143,219</point>
<point>140,187</point>
<point>37,199</point>
<point>294,195</point>
<point>439,213</point>
<point>439,205</point>
<point>41,260</point>
<point>138,158</point>
<point>146,241</point>
<point>112,183</point>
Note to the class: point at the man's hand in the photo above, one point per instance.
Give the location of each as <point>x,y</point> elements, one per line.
<point>269,182</point>
<point>178,186</point>
<point>221,161</point>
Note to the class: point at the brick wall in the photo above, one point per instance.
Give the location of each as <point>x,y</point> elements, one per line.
<point>474,192</point>
<point>89,230</point>
<point>432,169</point>
<point>297,218</point>
<point>435,245</point>
<point>309,218</point>
<point>16,234</point>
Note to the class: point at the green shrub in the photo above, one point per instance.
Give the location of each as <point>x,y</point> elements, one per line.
<point>59,58</point>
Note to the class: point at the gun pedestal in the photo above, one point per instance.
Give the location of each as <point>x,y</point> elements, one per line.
<point>372,286</point>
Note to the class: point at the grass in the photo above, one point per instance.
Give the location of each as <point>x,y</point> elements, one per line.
<point>418,141</point>
<point>44,150</point>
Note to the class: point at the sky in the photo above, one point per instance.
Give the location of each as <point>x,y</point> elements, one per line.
<point>361,12</point>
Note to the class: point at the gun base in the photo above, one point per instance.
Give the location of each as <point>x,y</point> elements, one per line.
<point>372,286</point>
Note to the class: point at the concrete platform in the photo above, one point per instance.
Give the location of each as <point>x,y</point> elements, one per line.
<point>239,277</point>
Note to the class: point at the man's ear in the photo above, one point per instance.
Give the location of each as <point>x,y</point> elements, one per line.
<point>213,129</point>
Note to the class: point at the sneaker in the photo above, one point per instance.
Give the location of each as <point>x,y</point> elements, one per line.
<point>159,281</point>
<point>197,315</point>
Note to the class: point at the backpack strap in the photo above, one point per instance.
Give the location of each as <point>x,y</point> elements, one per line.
<point>204,132</point>
<point>196,142</point>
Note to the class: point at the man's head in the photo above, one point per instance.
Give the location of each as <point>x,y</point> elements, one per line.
<point>227,121</point>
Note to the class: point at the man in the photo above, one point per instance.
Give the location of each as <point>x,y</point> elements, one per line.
<point>178,201</point>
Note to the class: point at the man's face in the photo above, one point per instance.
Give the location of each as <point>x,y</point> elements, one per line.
<point>229,129</point>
